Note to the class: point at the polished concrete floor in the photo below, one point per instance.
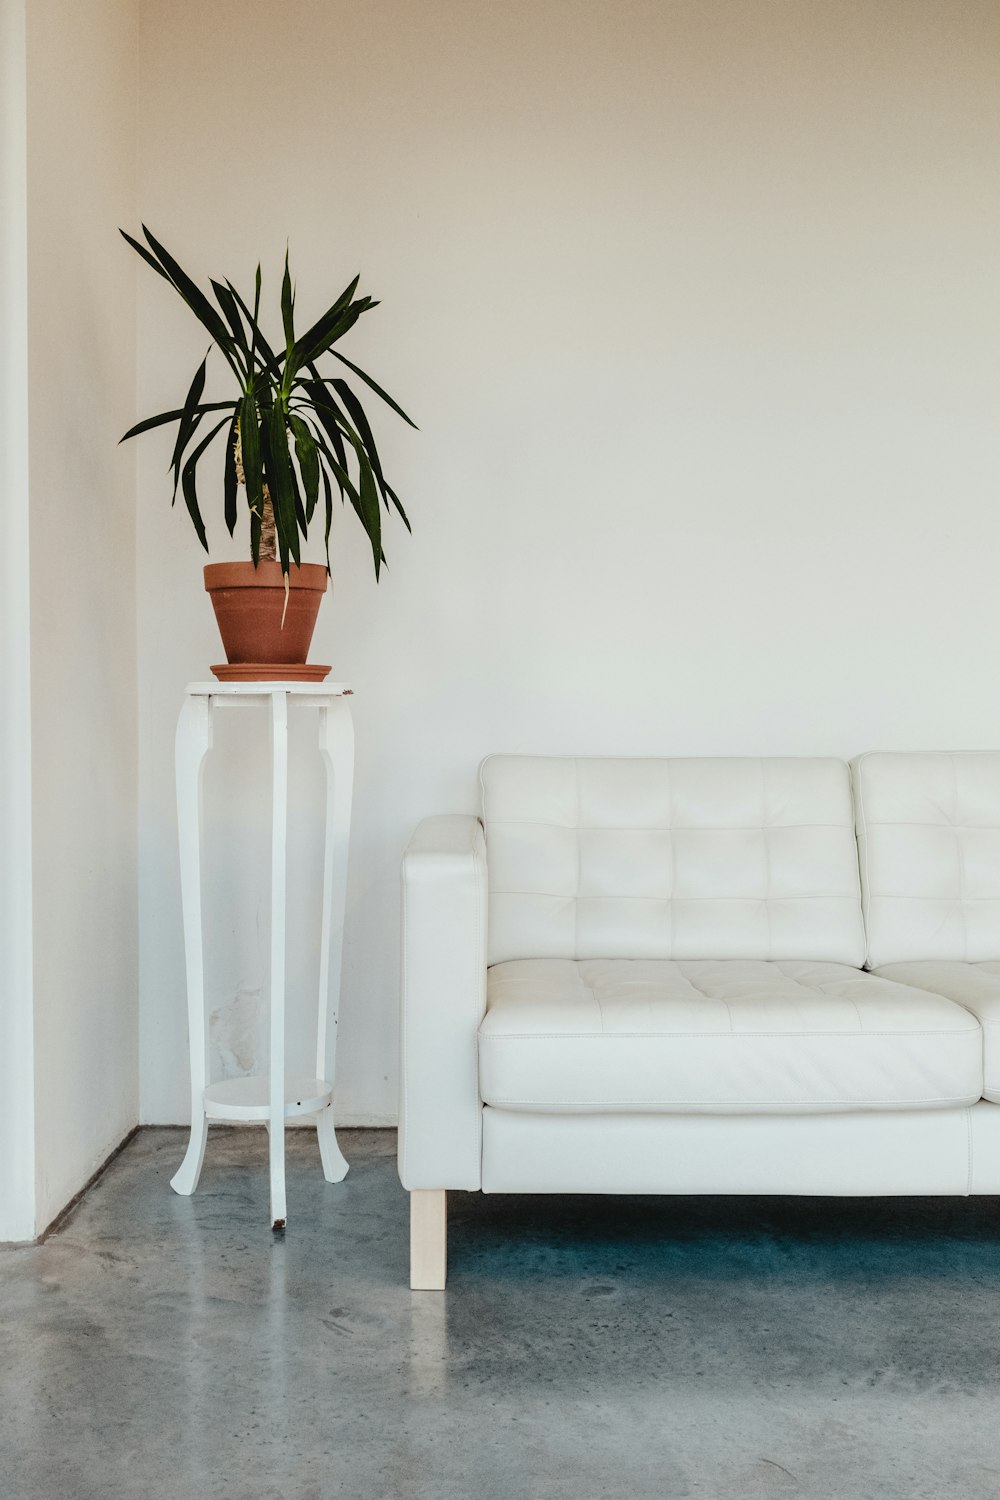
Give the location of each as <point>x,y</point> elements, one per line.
<point>165,1347</point>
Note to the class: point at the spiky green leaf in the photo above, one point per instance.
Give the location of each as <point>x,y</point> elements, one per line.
<point>189,421</point>
<point>328,507</point>
<point>376,388</point>
<point>335,322</point>
<point>174,416</point>
<point>327,413</point>
<point>330,316</point>
<point>363,497</point>
<point>260,349</point>
<point>230,482</point>
<point>230,310</point>
<point>255,530</point>
<point>250,446</point>
<point>399,507</point>
<point>188,483</point>
<point>371,511</point>
<point>300,510</point>
<point>287,306</point>
<point>149,259</point>
<point>357,414</point>
<point>345,483</point>
<point>304,353</point>
<point>308,459</point>
<point>192,294</point>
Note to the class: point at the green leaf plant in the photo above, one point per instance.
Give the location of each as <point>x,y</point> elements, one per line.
<point>293,434</point>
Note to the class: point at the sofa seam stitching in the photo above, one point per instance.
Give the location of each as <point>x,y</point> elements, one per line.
<point>961,857</point>
<point>579,863</point>
<point>861,826</point>
<point>670,1036</point>
<point>669,827</point>
<point>750,1106</point>
<point>667,900</point>
<point>767,860</point>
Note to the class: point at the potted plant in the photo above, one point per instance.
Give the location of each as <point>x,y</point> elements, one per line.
<point>291,433</point>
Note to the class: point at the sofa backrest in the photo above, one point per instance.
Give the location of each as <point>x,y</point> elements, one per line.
<point>929,842</point>
<point>675,859</point>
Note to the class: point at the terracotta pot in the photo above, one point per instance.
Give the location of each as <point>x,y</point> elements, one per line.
<point>249,603</point>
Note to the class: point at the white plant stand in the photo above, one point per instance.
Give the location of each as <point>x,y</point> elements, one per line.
<point>274,1098</point>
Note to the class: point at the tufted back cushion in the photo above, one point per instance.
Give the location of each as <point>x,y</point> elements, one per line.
<point>682,859</point>
<point>929,838</point>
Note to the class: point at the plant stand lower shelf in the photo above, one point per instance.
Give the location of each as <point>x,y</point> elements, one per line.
<point>274,1098</point>
<point>250,1098</point>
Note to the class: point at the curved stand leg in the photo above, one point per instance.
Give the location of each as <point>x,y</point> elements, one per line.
<point>185,1179</point>
<point>279,831</point>
<point>335,1167</point>
<point>194,737</point>
<point>336,743</point>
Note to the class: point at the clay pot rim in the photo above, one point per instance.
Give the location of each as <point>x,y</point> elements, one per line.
<point>266,575</point>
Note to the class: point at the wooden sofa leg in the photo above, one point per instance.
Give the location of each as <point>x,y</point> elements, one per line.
<point>428,1239</point>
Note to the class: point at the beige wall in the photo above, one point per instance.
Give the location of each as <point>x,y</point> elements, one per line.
<point>81,391</point>
<point>697,307</point>
<point>17,1104</point>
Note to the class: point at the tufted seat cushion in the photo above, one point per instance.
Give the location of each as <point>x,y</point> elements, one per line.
<point>977,987</point>
<point>720,1036</point>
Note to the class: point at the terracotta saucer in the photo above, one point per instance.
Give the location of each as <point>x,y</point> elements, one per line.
<point>269,671</point>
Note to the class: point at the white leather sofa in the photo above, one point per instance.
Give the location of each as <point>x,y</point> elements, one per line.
<point>671,976</point>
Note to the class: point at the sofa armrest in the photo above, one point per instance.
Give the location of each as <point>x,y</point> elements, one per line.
<point>443,1003</point>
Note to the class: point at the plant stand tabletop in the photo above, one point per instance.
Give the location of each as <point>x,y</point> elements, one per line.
<point>273,1098</point>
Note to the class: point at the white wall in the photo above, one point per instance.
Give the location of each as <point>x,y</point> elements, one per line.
<point>17,1106</point>
<point>80,112</point>
<point>697,307</point>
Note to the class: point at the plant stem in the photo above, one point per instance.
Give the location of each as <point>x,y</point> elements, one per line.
<point>268,534</point>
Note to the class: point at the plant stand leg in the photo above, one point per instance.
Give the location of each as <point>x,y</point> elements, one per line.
<point>194,738</point>
<point>335,1167</point>
<point>336,743</point>
<point>279,840</point>
<point>428,1239</point>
